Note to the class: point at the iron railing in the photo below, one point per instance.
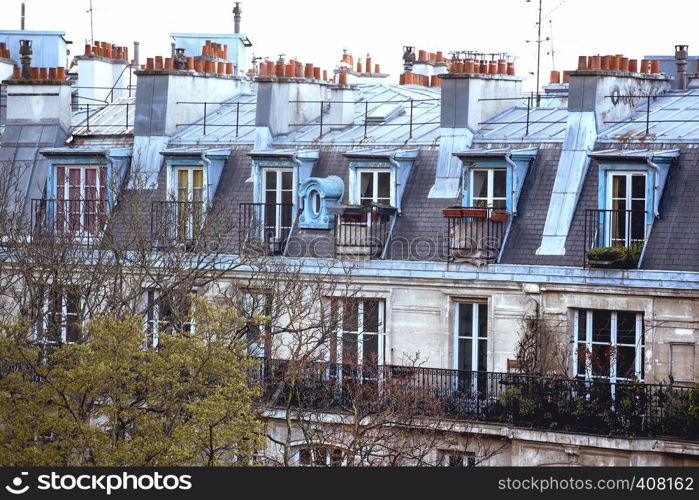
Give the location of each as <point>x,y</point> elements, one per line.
<point>265,227</point>
<point>475,239</point>
<point>78,220</point>
<point>176,223</point>
<point>623,232</point>
<point>559,404</point>
<point>364,234</point>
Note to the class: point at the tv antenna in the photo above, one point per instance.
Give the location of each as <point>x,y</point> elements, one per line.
<point>552,52</point>
<point>92,29</point>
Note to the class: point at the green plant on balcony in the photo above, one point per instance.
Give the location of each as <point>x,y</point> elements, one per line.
<point>615,257</point>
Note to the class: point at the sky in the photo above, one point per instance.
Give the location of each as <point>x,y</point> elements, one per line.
<point>317,31</point>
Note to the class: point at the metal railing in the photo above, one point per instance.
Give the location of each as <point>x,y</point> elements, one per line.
<point>619,236</point>
<point>559,404</point>
<point>477,239</point>
<point>265,227</point>
<point>78,220</point>
<point>176,223</point>
<point>365,233</point>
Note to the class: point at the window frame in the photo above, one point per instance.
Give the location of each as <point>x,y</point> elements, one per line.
<point>360,332</point>
<point>639,346</point>
<point>628,174</point>
<point>48,312</point>
<point>490,187</point>
<point>101,200</point>
<point>374,172</point>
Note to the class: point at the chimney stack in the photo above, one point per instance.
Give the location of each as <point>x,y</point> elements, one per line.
<point>342,100</point>
<point>237,11</point>
<point>681,54</point>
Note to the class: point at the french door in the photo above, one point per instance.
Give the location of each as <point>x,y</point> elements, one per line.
<point>471,346</point>
<point>81,199</point>
<point>278,195</point>
<point>626,219</point>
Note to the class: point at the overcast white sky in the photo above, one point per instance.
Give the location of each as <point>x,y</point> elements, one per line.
<point>317,31</point>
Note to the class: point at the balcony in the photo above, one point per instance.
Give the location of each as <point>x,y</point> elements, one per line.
<point>364,231</point>
<point>614,239</point>
<point>547,403</point>
<point>176,223</point>
<point>264,228</point>
<point>74,220</point>
<point>475,234</point>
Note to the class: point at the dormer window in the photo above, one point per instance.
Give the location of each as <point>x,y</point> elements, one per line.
<point>376,187</point>
<point>81,199</point>
<point>628,205</point>
<point>489,187</point>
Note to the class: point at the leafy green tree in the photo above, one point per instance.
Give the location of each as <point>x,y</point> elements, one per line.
<point>111,400</point>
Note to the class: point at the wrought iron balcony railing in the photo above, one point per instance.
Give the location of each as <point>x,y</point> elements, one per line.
<point>77,220</point>
<point>614,239</point>
<point>364,231</point>
<point>176,222</point>
<point>265,227</point>
<point>559,404</point>
<point>476,234</point>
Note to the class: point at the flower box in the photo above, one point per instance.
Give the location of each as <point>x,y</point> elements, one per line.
<point>474,212</point>
<point>499,215</point>
<point>385,210</point>
<point>452,212</point>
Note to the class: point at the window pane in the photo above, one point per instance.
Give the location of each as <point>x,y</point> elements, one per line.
<point>370,349</point>
<point>305,456</point>
<point>582,325</point>
<point>349,349</point>
<point>465,320</point>
<point>582,357</point>
<point>350,317</point>
<point>198,178</point>
<point>600,360</point>
<point>601,326</point>
<point>287,180</point>
<point>500,183</point>
<point>626,327</point>
<point>619,186</point>
<point>270,179</point>
<point>482,355</point>
<point>287,198</point>
<point>638,186</point>
<point>465,352</point>
<point>482,320</point>
<point>480,184</point>
<point>384,187</point>
<point>626,362</point>
<point>366,186</point>
<point>371,315</point>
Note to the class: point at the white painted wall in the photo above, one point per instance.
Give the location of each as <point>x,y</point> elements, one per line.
<point>38,103</point>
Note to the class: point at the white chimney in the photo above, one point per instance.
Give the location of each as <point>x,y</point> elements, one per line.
<point>342,101</point>
<point>38,102</point>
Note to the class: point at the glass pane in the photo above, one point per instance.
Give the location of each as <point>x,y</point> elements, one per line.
<point>384,188</point>
<point>349,348</point>
<point>90,184</point>
<point>182,185</point>
<point>482,320</point>
<point>626,327</point>
<point>270,179</point>
<point>72,313</point>
<point>582,357</point>
<point>270,197</point>
<point>366,187</point>
<point>619,186</point>
<point>480,184</point>
<point>500,183</point>
<point>287,198</point>
<point>287,180</point>
<point>465,320</point>
<point>198,178</point>
<point>350,317</point>
<point>600,360</point>
<point>370,348</point>
<point>638,186</point>
<point>601,326</point>
<point>582,325</point>
<point>482,355</point>
<point>371,316</point>
<point>60,182</point>
<point>626,362</point>
<point>465,353</point>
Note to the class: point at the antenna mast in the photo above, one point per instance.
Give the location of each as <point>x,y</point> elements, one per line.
<point>92,29</point>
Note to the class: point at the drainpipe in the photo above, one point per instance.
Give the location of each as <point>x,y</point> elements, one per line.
<point>656,203</point>
<point>299,164</point>
<point>514,171</point>
<point>395,164</point>
<point>208,169</point>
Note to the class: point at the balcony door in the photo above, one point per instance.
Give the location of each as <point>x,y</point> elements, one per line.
<point>81,198</point>
<point>362,338</point>
<point>626,218</point>
<point>471,346</point>
<point>278,196</point>
<point>190,201</point>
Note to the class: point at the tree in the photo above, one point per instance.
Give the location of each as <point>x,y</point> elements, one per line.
<point>111,400</point>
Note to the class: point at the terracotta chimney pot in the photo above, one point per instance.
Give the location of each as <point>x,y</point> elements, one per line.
<point>52,73</point>
<point>555,77</point>
<point>511,68</point>
<point>229,68</point>
<point>655,66</point>
<point>595,62</point>
<point>158,62</point>
<point>633,66</point>
<point>316,73</point>
<point>308,71</point>
<point>566,77</point>
<point>343,78</point>
<point>582,63</point>
<point>169,63</point>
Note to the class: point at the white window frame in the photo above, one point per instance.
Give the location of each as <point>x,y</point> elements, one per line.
<point>468,458</point>
<point>490,186</point>
<point>190,169</point>
<point>375,174</point>
<point>278,227</point>
<point>67,201</point>
<point>314,450</point>
<point>475,338</point>
<point>613,344</point>
<point>628,200</point>
<point>381,334</point>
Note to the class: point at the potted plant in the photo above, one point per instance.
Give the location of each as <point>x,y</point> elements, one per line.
<point>616,257</point>
<point>355,213</point>
<point>499,215</point>
<point>385,210</point>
